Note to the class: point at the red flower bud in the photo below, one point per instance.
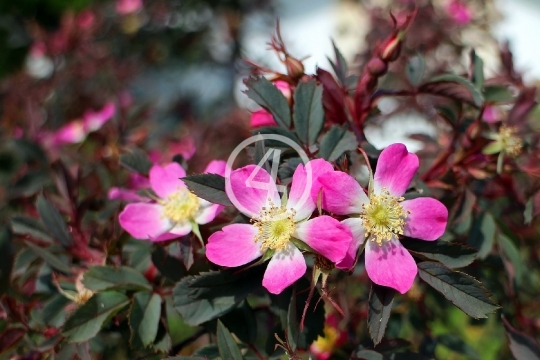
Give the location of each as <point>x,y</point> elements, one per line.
<point>295,68</point>
<point>391,49</point>
<point>377,67</point>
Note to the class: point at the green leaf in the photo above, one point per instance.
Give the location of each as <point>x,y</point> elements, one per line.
<point>241,321</point>
<point>462,290</point>
<point>23,225</point>
<point>522,346</point>
<point>455,87</point>
<point>210,187</point>
<point>266,94</point>
<point>308,111</point>
<point>208,352</point>
<point>482,234</point>
<point>366,354</point>
<point>99,278</point>
<point>452,255</point>
<point>498,94</point>
<point>380,307</point>
<point>85,322</point>
<point>53,221</point>
<point>477,70</point>
<point>136,161</point>
<point>456,344</point>
<point>54,310</point>
<point>168,265</point>
<point>274,130</point>
<point>30,183</point>
<point>50,258</point>
<point>6,265</point>
<point>335,142</point>
<point>416,68</point>
<point>228,348</point>
<point>528,212</point>
<point>511,252</point>
<point>144,317</point>
<point>209,295</point>
<point>339,65</point>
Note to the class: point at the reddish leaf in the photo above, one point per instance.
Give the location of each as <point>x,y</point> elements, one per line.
<point>9,338</point>
<point>333,98</point>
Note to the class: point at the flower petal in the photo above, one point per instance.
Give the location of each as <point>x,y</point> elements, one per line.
<point>325,235</point>
<point>95,120</point>
<point>71,133</point>
<point>342,194</point>
<point>427,219</point>
<point>207,213</point>
<point>144,221</point>
<point>300,195</point>
<point>165,180</point>
<point>395,169</point>
<point>390,265</point>
<point>233,246</point>
<point>262,118</point>
<point>116,193</point>
<point>285,267</point>
<point>358,237</point>
<point>216,167</point>
<point>250,188</point>
<point>318,168</point>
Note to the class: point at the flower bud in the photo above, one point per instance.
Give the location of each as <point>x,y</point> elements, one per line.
<point>377,67</point>
<point>295,68</point>
<point>391,49</point>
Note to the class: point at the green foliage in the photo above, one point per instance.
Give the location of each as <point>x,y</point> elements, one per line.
<point>144,318</point>
<point>54,221</point>
<point>266,94</point>
<point>335,142</point>
<point>136,161</point>
<point>210,187</point>
<point>380,306</point>
<point>308,111</point>
<point>100,278</point>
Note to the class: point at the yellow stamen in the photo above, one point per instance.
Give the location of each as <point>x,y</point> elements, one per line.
<point>181,205</point>
<point>383,216</point>
<point>327,343</point>
<point>510,142</point>
<point>275,227</point>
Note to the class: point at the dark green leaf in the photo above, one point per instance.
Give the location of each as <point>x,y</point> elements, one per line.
<point>168,265</point>
<point>273,130</point>
<point>6,265</point>
<point>30,183</point>
<point>335,142</point>
<point>293,326</point>
<point>339,65</point>
<point>454,343</point>
<point>163,342</point>
<point>210,187</point>
<point>452,255</point>
<point>241,322</point>
<point>523,346</point>
<point>288,167</point>
<point>308,111</point>
<point>53,221</point>
<point>50,258</point>
<point>54,310</point>
<point>144,317</point>
<point>85,322</point>
<point>266,94</point>
<point>511,252</point>
<point>99,278</point>
<point>209,295</point>
<point>415,69</point>
<point>365,354</point>
<point>181,357</point>
<point>482,234</point>
<point>67,352</point>
<point>186,250</point>
<point>462,290</point>
<point>477,70</point>
<point>23,225</point>
<point>380,307</point>
<point>528,213</point>
<point>136,161</point>
<point>228,348</point>
<point>208,352</point>
<point>498,94</point>
<point>455,87</point>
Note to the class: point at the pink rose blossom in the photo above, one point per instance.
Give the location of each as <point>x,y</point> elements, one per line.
<point>459,12</point>
<point>383,215</point>
<point>262,117</point>
<point>126,7</point>
<point>273,225</point>
<point>492,114</point>
<point>177,209</point>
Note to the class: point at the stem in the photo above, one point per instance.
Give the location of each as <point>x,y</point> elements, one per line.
<point>257,353</point>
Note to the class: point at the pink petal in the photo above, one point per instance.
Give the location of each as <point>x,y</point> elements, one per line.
<point>116,193</point>
<point>71,133</point>
<point>395,169</point>
<point>390,265</point>
<point>262,118</point>
<point>300,195</point>
<point>144,221</point>
<point>325,235</point>
<point>138,181</point>
<point>285,267</point>
<point>208,213</point>
<point>95,120</point>
<point>165,180</point>
<point>318,167</point>
<point>233,246</point>
<point>358,236</point>
<point>427,219</point>
<point>245,193</point>
<point>284,87</point>
<point>216,167</point>
<point>177,231</point>
<point>342,194</point>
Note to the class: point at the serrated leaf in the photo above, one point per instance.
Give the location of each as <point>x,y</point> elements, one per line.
<point>241,322</point>
<point>136,161</point>
<point>498,94</point>
<point>522,346</point>
<point>482,234</point>
<point>54,310</point>
<point>308,111</point>
<point>335,142</point>
<point>273,130</point>
<point>339,65</point>
<point>54,221</point>
<point>6,265</point>
<point>456,344</point>
<point>23,225</point>
<point>168,265</point>
<point>85,322</point>
<point>50,258</point>
<point>455,87</point>
<point>452,255</point>
<point>380,303</point>
<point>477,70</point>
<point>208,352</point>
<point>99,278</point>
<point>144,317</point>
<point>415,69</point>
<point>228,348</point>
<point>209,295</point>
<point>266,94</point>
<point>462,290</point>
<point>210,187</point>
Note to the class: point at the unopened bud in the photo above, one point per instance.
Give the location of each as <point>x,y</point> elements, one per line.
<point>377,67</point>
<point>391,49</point>
<point>295,68</point>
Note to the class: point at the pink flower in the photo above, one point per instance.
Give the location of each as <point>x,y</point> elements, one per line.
<point>274,225</point>
<point>492,114</point>
<point>383,215</point>
<point>176,211</point>
<point>95,120</point>
<point>126,7</point>
<point>459,12</point>
<point>262,117</point>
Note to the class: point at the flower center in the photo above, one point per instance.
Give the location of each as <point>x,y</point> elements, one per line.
<point>510,142</point>
<point>180,205</point>
<point>275,227</point>
<point>384,216</point>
